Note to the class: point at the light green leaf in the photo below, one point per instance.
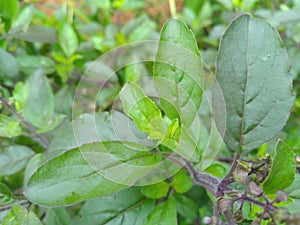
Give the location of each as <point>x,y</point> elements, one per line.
<point>39,106</point>
<point>67,179</point>
<point>29,64</point>
<point>20,216</point>
<point>182,182</point>
<point>142,110</point>
<point>163,214</point>
<point>186,207</point>
<point>67,38</point>
<point>156,191</point>
<point>9,127</point>
<point>178,72</point>
<point>127,207</point>
<point>14,158</point>
<point>283,170</point>
<point>8,65</point>
<point>57,216</point>
<point>184,144</point>
<point>24,18</point>
<point>253,75</point>
<point>20,94</point>
<point>8,11</point>
<point>36,33</point>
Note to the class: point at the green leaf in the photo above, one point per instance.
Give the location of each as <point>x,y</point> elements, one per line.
<point>216,169</point>
<point>67,179</point>
<point>5,194</point>
<point>20,94</point>
<point>184,144</point>
<point>29,64</point>
<point>57,216</point>
<point>24,18</point>
<point>163,214</point>
<point>178,72</point>
<point>36,33</point>
<point>8,11</point>
<point>127,207</point>
<point>186,207</point>
<point>254,80</point>
<point>8,65</point>
<point>19,215</point>
<point>122,162</point>
<point>142,110</point>
<point>67,38</point>
<point>9,127</point>
<point>181,182</point>
<point>64,101</point>
<point>78,174</point>
<point>283,170</point>
<point>39,106</point>
<point>14,158</point>
<point>156,191</point>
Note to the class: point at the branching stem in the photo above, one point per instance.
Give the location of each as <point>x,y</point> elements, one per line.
<point>41,140</point>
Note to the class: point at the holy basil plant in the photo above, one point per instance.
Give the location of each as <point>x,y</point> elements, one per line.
<point>144,166</point>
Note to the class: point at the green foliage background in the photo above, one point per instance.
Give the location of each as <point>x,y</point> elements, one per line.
<point>42,58</point>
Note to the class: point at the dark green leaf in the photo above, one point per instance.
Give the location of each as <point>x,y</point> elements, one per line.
<point>283,169</point>
<point>68,40</point>
<point>156,191</point>
<point>186,207</point>
<point>253,75</point>
<point>5,194</point>
<point>14,158</point>
<point>67,179</point>
<point>121,162</point>
<point>142,110</point>
<point>39,106</point>
<point>57,216</point>
<point>79,174</point>
<point>127,207</point>
<point>178,72</point>
<point>29,64</point>
<point>20,216</point>
<point>9,127</point>
<point>163,214</point>
<point>8,65</point>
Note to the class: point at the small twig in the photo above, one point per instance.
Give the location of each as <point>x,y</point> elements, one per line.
<point>229,218</point>
<point>227,179</point>
<point>256,202</point>
<point>8,207</point>
<point>32,131</point>
<point>200,178</point>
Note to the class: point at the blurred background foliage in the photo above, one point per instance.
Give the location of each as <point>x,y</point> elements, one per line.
<point>45,47</point>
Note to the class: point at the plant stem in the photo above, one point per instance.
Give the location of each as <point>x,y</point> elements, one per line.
<point>256,202</point>
<point>32,131</point>
<point>172,6</point>
<point>227,179</point>
<point>200,178</point>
